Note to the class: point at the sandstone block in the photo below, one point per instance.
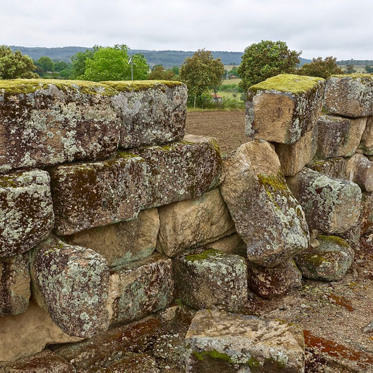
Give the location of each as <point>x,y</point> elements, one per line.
<point>332,167</point>
<point>140,288</point>
<point>366,217</point>
<point>266,214</point>
<point>329,261</point>
<point>283,108</point>
<point>48,122</point>
<point>15,289</point>
<point>221,342</point>
<point>331,205</point>
<point>26,211</point>
<point>182,170</point>
<point>349,95</point>
<point>123,242</point>
<point>360,171</point>
<point>192,223</point>
<point>366,144</point>
<point>273,282</point>
<point>72,283</point>
<point>211,279</point>
<point>338,137</point>
<point>231,244</point>
<point>88,195</point>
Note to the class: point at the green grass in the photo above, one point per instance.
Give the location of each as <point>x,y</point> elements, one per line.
<point>231,81</point>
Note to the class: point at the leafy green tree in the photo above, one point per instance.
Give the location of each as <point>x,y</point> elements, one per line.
<point>369,69</point>
<point>321,68</point>
<point>140,68</point>
<point>15,65</point>
<point>60,66</point>
<point>78,62</point>
<point>44,65</point>
<point>201,72</point>
<point>160,73</point>
<point>350,69</point>
<point>262,60</point>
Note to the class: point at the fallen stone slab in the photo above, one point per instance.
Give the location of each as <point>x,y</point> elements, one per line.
<point>26,211</point>
<point>72,284</point>
<point>266,214</point>
<point>15,288</point>
<point>88,195</point>
<point>140,288</point>
<point>360,171</point>
<point>283,108</point>
<point>331,205</point>
<point>123,242</point>
<point>211,279</point>
<point>231,244</point>
<point>366,143</point>
<point>192,223</point>
<point>349,95</point>
<point>218,341</point>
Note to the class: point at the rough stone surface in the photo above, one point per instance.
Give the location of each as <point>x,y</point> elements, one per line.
<point>231,244</point>
<point>266,215</point>
<point>15,289</point>
<point>182,170</point>
<point>273,282</point>
<point>56,122</point>
<point>338,137</point>
<point>332,167</point>
<point>294,157</point>
<point>211,279</point>
<point>331,205</point>
<point>72,283</point>
<point>350,95</point>
<point>223,342</point>
<point>27,334</point>
<point>151,116</point>
<point>329,261</point>
<point>366,144</point>
<point>140,288</point>
<point>89,195</point>
<point>283,108</point>
<point>360,171</point>
<point>122,242</point>
<point>26,211</point>
<point>366,217</point>
<point>192,223</point>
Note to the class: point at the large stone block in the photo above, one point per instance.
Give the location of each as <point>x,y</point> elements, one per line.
<point>366,144</point>
<point>26,211</point>
<point>349,95</point>
<point>140,288</point>
<point>221,342</point>
<point>88,195</point>
<point>332,167</point>
<point>266,214</point>
<point>283,108</point>
<point>182,170</point>
<point>360,171</point>
<point>72,283</point>
<point>331,205</point>
<point>123,242</point>
<point>151,112</point>
<point>338,137</point>
<point>232,244</point>
<point>15,289</point>
<point>366,216</point>
<point>48,122</point>
<point>211,279</point>
<point>192,223</point>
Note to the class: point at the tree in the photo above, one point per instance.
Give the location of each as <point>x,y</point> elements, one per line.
<point>44,65</point>
<point>350,69</point>
<point>321,68</point>
<point>15,65</point>
<point>201,72</point>
<point>160,73</point>
<point>369,69</point>
<point>265,59</point>
<point>78,62</point>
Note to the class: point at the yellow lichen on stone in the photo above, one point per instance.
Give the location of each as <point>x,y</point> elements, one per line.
<point>140,85</point>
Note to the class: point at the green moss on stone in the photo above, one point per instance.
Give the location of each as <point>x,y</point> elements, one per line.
<point>203,255</point>
<point>334,239</point>
<point>212,354</point>
<point>140,85</point>
<point>354,76</point>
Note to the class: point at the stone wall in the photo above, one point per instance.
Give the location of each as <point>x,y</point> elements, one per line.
<point>110,213</point>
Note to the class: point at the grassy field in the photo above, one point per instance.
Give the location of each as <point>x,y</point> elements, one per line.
<point>359,69</point>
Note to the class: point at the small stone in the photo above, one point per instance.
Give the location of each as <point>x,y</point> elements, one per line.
<point>360,171</point>
<point>368,328</point>
<point>232,244</point>
<point>211,279</point>
<point>366,144</point>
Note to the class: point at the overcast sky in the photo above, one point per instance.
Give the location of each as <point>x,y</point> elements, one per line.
<point>341,28</point>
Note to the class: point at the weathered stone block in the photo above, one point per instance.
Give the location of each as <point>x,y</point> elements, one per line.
<point>332,167</point>
<point>221,342</point>
<point>139,289</point>
<point>192,223</point>
<point>48,122</point>
<point>366,143</point>
<point>331,205</point>
<point>360,171</point>
<point>273,282</point>
<point>329,261</point>
<point>182,170</point>
<point>231,244</point>
<point>95,194</point>
<point>266,214</point>
<point>294,157</point>
<point>338,137</point>
<point>26,211</point>
<point>124,242</point>
<point>366,216</point>
<point>72,283</point>
<point>211,279</point>
<point>151,112</point>
<point>283,108</point>
<point>349,95</point>
<point>15,289</point>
